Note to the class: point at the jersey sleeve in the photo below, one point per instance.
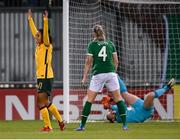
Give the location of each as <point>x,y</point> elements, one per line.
<point>45,33</point>
<point>32,27</point>
<point>90,50</point>
<point>113,46</point>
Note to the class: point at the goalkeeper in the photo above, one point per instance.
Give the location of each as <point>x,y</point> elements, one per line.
<point>139,110</point>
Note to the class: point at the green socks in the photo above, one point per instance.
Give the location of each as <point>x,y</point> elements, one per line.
<point>87,109</point>
<point>122,111</point>
<point>85,113</point>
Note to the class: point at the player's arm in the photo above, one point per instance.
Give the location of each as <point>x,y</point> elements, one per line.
<point>115,59</point>
<point>31,23</point>
<point>115,56</point>
<point>88,63</point>
<point>45,29</point>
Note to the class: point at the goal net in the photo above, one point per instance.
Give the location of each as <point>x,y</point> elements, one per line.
<point>147,37</point>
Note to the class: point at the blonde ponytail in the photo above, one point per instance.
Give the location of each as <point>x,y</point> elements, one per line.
<point>98,29</point>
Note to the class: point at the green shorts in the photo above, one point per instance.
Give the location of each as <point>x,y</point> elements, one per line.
<point>44,85</point>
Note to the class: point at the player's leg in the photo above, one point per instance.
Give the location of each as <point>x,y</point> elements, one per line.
<point>42,99</point>
<point>148,101</point>
<point>123,88</point>
<point>91,95</point>
<point>52,108</point>
<point>129,98</point>
<point>121,106</point>
<point>161,91</point>
<point>113,87</point>
<point>96,85</point>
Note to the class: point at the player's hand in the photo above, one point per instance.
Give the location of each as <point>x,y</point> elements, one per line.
<point>29,14</point>
<point>106,106</point>
<point>106,102</point>
<point>83,82</point>
<point>45,15</point>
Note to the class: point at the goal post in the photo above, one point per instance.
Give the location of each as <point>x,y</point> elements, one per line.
<point>146,35</point>
<point>66,60</point>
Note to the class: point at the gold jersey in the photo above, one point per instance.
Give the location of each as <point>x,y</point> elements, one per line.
<point>43,52</point>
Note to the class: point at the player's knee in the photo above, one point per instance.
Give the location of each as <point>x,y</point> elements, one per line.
<point>41,106</point>
<point>48,104</point>
<point>91,96</point>
<point>117,98</point>
<point>44,103</point>
<point>42,100</point>
<point>150,95</point>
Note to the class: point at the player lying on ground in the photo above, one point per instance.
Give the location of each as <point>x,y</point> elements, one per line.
<point>139,110</point>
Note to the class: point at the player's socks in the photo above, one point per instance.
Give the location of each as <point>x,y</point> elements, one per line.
<point>85,113</point>
<point>122,111</point>
<point>161,91</point>
<point>53,109</point>
<point>45,115</point>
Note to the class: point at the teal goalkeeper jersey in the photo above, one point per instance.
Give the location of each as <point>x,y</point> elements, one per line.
<point>102,53</point>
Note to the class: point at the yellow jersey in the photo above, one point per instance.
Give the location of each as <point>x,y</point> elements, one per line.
<point>43,52</point>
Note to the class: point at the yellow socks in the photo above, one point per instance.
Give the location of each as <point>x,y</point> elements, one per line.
<point>53,109</point>
<point>45,115</point>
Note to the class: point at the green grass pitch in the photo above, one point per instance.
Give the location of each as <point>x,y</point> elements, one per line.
<point>97,130</point>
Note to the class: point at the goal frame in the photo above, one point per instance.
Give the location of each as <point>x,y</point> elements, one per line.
<point>66,75</point>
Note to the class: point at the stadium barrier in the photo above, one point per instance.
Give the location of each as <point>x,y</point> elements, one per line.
<point>20,104</point>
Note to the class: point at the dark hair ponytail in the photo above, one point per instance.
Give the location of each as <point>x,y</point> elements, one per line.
<point>50,37</point>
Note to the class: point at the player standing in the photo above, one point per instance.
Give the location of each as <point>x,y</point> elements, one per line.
<point>44,72</point>
<point>102,56</point>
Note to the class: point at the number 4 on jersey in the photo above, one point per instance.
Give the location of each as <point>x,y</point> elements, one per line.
<point>102,53</point>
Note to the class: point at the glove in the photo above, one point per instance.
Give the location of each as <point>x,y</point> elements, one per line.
<point>106,102</point>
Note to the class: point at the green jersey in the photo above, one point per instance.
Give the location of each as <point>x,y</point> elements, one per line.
<point>102,53</point>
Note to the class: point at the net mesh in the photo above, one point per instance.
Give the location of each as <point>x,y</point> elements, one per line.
<point>146,36</point>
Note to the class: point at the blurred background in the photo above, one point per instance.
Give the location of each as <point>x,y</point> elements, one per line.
<point>17,65</point>
<point>28,3</point>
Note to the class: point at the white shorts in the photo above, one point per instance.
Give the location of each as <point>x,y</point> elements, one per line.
<point>109,79</point>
